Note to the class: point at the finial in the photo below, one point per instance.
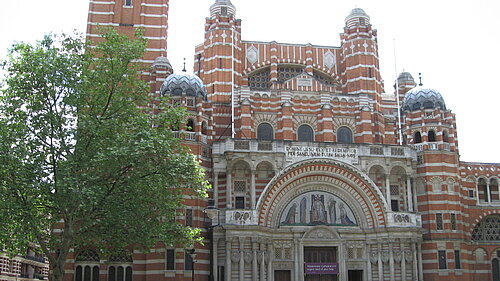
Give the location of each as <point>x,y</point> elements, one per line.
<point>184,69</point>
<point>420,78</point>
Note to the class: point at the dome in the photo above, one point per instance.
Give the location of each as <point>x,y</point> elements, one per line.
<point>423,98</point>
<point>357,17</point>
<point>162,62</point>
<point>405,76</point>
<point>222,7</point>
<point>179,84</point>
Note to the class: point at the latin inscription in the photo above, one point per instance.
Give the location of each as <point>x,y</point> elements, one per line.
<point>349,154</point>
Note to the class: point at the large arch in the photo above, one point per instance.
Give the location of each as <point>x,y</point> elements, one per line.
<point>326,175</point>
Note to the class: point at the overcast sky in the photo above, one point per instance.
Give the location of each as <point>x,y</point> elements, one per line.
<point>454,44</point>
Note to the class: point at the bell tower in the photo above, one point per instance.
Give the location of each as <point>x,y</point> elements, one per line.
<point>128,15</point>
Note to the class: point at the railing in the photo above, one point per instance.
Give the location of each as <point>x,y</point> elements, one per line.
<point>433,146</point>
<point>190,136</point>
<point>34,258</point>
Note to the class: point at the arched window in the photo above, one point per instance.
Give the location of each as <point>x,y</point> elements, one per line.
<point>488,229</point>
<point>431,136</point>
<point>482,190</point>
<point>204,127</point>
<point>190,125</point>
<point>87,266</point>
<point>305,133</point>
<point>344,135</point>
<point>417,138</point>
<point>120,268</point>
<point>445,136</point>
<point>265,132</point>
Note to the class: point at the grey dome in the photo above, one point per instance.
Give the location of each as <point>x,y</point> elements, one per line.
<point>405,76</point>
<point>183,84</point>
<point>217,8</point>
<point>357,17</point>
<point>423,98</point>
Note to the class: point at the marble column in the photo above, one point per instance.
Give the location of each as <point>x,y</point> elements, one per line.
<point>415,202</point>
<point>216,189</point>
<point>409,194</point>
<point>415,261</point>
<point>380,263</point>
<point>403,261</point>
<point>489,191</point>
<point>388,191</point>
<point>228,258</point>
<point>391,262</point>
<point>255,262</point>
<point>420,265</point>
<point>229,190</point>
<point>262,262</point>
<point>477,192</point>
<point>252,189</point>
<point>296,266</point>
<point>242,258</point>
<point>270,251</point>
<point>215,242</point>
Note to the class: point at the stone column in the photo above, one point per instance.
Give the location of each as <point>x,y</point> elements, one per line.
<point>489,191</point>
<point>229,190</point>
<point>415,202</point>
<point>368,250</point>
<point>255,262</point>
<point>270,251</point>
<point>215,255</point>
<point>420,265</point>
<point>403,261</point>
<point>391,261</point>
<point>252,189</point>
<point>380,263</point>
<point>296,265</point>
<point>228,258</point>
<point>262,262</point>
<point>409,194</point>
<point>415,261</point>
<point>216,190</point>
<point>388,191</point>
<point>477,192</point>
<point>242,258</point>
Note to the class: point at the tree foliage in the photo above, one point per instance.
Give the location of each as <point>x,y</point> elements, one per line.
<point>83,162</point>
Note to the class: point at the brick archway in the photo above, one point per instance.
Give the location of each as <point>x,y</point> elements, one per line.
<point>329,176</point>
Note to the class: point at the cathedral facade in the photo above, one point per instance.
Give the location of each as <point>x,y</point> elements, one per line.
<point>316,172</point>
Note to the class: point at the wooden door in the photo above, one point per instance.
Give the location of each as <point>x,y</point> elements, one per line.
<point>282,275</point>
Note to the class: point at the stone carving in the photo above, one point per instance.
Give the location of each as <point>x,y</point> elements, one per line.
<point>408,256</point>
<point>320,234</point>
<point>252,55</point>
<point>373,256</point>
<point>235,256</point>
<point>247,256</point>
<point>385,256</point>
<point>329,59</point>
<point>398,256</point>
<point>317,207</point>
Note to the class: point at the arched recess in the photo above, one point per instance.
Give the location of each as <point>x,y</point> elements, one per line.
<point>264,173</point>
<point>325,175</point>
<point>241,185</point>
<point>378,175</point>
<point>398,189</point>
<point>487,229</point>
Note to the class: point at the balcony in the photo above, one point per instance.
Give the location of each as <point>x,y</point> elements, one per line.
<point>431,146</point>
<point>295,151</point>
<point>241,217</point>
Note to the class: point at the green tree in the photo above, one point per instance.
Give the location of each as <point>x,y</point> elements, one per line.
<point>83,161</point>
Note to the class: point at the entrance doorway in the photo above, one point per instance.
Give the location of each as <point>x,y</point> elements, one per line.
<point>282,275</point>
<point>320,255</point>
<point>355,275</point>
<point>495,269</point>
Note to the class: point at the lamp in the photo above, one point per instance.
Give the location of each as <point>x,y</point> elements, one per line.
<point>192,253</point>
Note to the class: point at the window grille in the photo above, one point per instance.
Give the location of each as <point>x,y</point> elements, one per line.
<point>189,217</point>
<point>487,229</point>
<point>453,221</point>
<point>442,259</point>
<point>241,145</point>
<point>394,189</point>
<point>124,257</point>
<point>288,254</point>
<point>277,253</point>
<point>260,80</point>
<point>350,253</point>
<point>240,186</point>
<point>87,255</point>
<point>287,73</point>
<point>397,151</point>
<point>439,221</point>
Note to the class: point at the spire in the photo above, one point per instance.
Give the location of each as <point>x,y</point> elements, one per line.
<point>222,8</point>
<point>184,69</point>
<point>420,79</point>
